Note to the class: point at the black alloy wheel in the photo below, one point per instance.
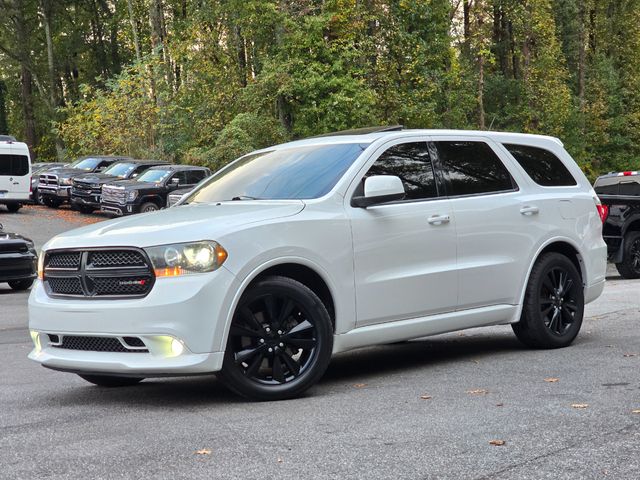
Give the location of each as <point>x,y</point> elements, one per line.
<point>630,266</point>
<point>279,343</point>
<point>553,305</point>
<point>148,207</point>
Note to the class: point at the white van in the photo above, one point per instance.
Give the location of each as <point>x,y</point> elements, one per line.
<point>15,173</point>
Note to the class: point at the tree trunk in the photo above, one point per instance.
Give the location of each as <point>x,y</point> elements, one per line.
<point>26,78</point>
<point>581,55</point>
<point>134,31</point>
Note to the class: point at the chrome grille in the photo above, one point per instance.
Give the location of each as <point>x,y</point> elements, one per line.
<point>114,195</point>
<point>96,344</point>
<point>83,189</point>
<point>98,273</point>
<point>48,179</point>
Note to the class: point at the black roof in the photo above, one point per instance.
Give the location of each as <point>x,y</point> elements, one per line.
<point>117,157</point>
<point>142,161</point>
<point>363,131</point>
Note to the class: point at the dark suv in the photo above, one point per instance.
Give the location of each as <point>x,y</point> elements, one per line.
<point>619,192</point>
<point>54,186</point>
<point>86,189</point>
<point>148,192</point>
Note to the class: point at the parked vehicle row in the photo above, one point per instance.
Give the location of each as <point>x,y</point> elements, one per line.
<point>18,260</point>
<point>15,173</point>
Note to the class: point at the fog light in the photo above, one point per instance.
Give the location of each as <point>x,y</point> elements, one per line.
<point>176,347</point>
<point>35,337</point>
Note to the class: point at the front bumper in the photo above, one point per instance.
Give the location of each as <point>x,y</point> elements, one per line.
<point>59,192</point>
<point>17,266</point>
<point>119,210</point>
<point>192,309</point>
<point>86,201</point>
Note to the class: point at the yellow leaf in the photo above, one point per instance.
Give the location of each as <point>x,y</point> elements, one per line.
<point>497,443</point>
<point>203,451</point>
<point>579,405</point>
<point>426,397</point>
<point>479,391</point>
<point>551,380</point>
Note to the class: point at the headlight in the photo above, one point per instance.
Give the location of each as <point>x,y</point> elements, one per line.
<point>132,195</point>
<point>66,181</point>
<point>186,258</point>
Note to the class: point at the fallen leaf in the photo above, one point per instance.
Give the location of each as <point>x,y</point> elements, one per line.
<point>204,451</point>
<point>499,404</point>
<point>497,443</point>
<point>475,361</point>
<point>479,391</point>
<point>426,397</point>
<point>636,410</point>
<point>360,385</point>
<point>579,405</point>
<point>609,346</point>
<point>630,355</point>
<point>551,380</point>
<point>280,460</point>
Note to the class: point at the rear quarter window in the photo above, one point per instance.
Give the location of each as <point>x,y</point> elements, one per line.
<point>14,165</point>
<point>542,166</point>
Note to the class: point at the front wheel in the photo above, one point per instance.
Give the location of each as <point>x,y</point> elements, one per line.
<point>13,207</point>
<point>553,304</point>
<point>51,202</point>
<point>279,343</point>
<point>111,381</point>
<point>148,207</point>
<point>20,284</point>
<point>630,265</point>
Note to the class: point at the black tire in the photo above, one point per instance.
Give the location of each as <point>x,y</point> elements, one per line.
<point>553,304</point>
<point>13,207</point>
<point>21,284</point>
<point>86,210</point>
<point>39,198</point>
<point>149,207</point>
<point>630,265</point>
<point>111,381</point>
<point>280,341</point>
<point>51,202</point>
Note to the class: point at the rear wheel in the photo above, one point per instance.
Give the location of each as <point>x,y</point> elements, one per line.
<point>111,381</point>
<point>279,343</point>
<point>553,305</point>
<point>13,207</point>
<point>51,202</point>
<point>84,209</point>
<point>630,265</point>
<point>148,207</point>
<point>20,284</point>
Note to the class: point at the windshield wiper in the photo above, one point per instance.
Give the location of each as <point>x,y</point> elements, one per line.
<point>244,197</point>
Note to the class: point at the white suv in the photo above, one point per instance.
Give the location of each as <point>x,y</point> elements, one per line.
<point>314,247</point>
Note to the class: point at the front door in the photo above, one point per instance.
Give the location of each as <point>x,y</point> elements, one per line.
<point>404,251</point>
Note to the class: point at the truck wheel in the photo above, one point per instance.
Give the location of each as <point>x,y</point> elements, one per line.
<point>13,207</point>
<point>279,343</point>
<point>553,304</point>
<point>111,381</point>
<point>20,284</point>
<point>39,198</point>
<point>630,265</point>
<point>148,207</point>
<point>84,209</point>
<point>51,202</point>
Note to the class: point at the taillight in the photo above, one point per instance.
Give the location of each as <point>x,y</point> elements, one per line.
<point>603,211</point>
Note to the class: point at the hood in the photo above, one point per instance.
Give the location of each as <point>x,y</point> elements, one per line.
<point>12,242</point>
<point>64,172</point>
<point>188,223</point>
<point>134,185</point>
<point>94,178</point>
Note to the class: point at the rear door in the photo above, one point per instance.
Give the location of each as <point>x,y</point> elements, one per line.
<point>495,232</point>
<point>15,174</point>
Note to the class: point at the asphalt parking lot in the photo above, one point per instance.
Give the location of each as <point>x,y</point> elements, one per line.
<point>418,410</point>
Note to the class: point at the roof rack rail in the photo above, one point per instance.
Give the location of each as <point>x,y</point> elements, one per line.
<point>7,138</point>
<point>363,131</point>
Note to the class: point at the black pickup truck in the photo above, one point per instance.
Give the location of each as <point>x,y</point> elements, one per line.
<point>87,189</point>
<point>18,260</point>
<point>620,195</point>
<point>54,186</point>
<point>148,192</point>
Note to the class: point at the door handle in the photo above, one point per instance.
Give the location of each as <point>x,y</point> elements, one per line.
<point>438,219</point>
<point>529,210</point>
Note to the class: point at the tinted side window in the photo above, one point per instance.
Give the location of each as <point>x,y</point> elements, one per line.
<point>473,168</point>
<point>607,186</point>
<point>17,165</point>
<point>181,176</point>
<point>542,166</point>
<point>412,163</point>
<point>194,176</point>
<point>629,187</point>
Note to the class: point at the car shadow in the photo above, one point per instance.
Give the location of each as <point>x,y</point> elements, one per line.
<point>356,366</point>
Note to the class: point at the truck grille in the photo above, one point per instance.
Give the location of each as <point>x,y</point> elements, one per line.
<point>96,344</point>
<point>83,189</point>
<point>98,273</point>
<point>48,179</point>
<point>114,195</point>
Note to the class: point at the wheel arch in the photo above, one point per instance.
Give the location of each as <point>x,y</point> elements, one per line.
<point>632,226</point>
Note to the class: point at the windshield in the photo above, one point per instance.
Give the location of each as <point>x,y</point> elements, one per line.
<point>293,173</point>
<point>154,176</point>
<point>86,164</point>
<point>120,170</point>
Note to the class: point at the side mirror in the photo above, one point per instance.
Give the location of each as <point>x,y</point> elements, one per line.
<point>99,169</point>
<point>134,175</point>
<point>175,182</point>
<point>380,189</point>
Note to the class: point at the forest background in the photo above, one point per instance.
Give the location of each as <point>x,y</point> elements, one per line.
<point>203,81</point>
